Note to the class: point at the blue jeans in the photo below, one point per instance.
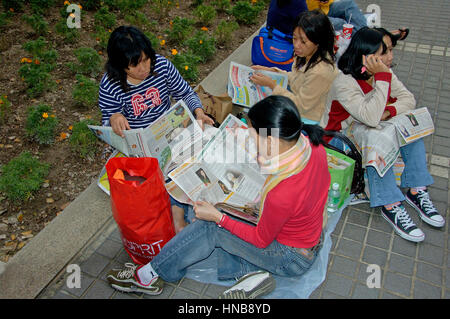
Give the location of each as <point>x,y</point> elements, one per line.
<point>384,190</point>
<point>237,257</point>
<point>340,12</point>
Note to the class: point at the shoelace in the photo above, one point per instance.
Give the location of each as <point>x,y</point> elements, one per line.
<point>128,271</point>
<point>425,202</point>
<point>402,215</point>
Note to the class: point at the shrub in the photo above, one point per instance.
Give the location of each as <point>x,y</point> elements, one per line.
<point>129,5</point>
<point>153,40</point>
<point>137,18</point>
<point>70,35</point>
<point>37,79</point>
<point>246,13</point>
<point>105,18</point>
<point>180,30</point>
<point>41,124</point>
<point>91,4</point>
<point>102,36</point>
<point>205,14</point>
<point>202,45</point>
<point>222,5</point>
<point>16,5</point>
<point>187,65</point>
<point>89,62</point>
<point>162,7</point>
<point>85,92</point>
<point>22,176</point>
<point>39,6</point>
<point>37,22</point>
<point>5,108</point>
<point>82,140</point>
<point>224,32</point>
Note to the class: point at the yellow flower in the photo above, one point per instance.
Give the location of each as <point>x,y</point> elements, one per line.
<point>201,41</point>
<point>80,6</point>
<point>66,3</point>
<point>72,15</point>
<point>63,135</point>
<point>186,67</point>
<point>204,29</point>
<point>23,60</point>
<point>45,115</point>
<point>11,9</point>
<point>163,42</point>
<point>174,51</point>
<point>52,115</point>
<point>70,127</point>
<point>254,1</point>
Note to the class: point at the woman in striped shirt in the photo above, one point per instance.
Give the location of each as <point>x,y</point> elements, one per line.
<point>137,89</point>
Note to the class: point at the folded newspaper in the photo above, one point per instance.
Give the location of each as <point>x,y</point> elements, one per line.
<point>246,93</point>
<point>215,165</point>
<point>380,146</point>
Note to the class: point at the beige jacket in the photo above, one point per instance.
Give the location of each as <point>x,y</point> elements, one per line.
<point>347,102</point>
<point>309,89</point>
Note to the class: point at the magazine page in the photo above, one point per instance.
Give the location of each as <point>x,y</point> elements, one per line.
<point>246,93</point>
<point>128,146</point>
<point>413,125</point>
<point>171,137</point>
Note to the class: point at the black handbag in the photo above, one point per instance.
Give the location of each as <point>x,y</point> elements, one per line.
<point>358,175</point>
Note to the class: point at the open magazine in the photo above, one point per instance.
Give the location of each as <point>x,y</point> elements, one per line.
<point>246,93</point>
<point>171,138</point>
<point>225,173</point>
<point>380,146</point>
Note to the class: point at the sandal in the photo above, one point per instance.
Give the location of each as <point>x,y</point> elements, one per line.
<point>403,33</point>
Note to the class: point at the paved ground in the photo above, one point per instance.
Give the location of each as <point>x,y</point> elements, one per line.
<point>361,237</point>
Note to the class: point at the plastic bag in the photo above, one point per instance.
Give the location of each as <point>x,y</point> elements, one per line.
<point>140,205</point>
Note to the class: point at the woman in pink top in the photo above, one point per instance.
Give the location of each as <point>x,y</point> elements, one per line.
<point>286,239</point>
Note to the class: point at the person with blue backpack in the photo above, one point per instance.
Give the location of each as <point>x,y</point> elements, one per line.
<point>313,70</point>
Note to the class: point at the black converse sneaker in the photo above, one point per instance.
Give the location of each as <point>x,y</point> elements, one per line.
<point>403,225</point>
<point>250,286</point>
<point>422,203</point>
<point>126,280</point>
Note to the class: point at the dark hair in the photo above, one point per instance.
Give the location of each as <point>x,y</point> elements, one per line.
<point>364,42</point>
<point>319,30</point>
<point>280,112</point>
<point>389,34</point>
<point>125,47</point>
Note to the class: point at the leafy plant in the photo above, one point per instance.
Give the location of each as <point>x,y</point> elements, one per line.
<point>37,78</point>
<point>22,176</point>
<point>15,5</point>
<point>156,44</point>
<point>41,124</point>
<point>70,35</point>
<point>39,6</point>
<point>222,5</point>
<point>85,92</point>
<point>129,6</point>
<point>91,4</point>
<point>89,62</point>
<point>137,18</point>
<point>202,45</point>
<point>5,107</point>
<point>37,22</point>
<point>162,7</point>
<point>246,13</point>
<point>187,65</point>
<point>205,14</point>
<point>224,32</point>
<point>105,18</point>
<point>180,30</point>
<point>82,140</point>
<point>102,36</point>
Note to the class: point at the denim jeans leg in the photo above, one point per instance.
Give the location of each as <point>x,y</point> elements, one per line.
<point>343,9</point>
<point>231,266</point>
<point>383,190</point>
<point>416,172</point>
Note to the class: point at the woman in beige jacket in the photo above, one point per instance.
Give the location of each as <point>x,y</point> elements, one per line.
<point>313,70</point>
<point>363,95</point>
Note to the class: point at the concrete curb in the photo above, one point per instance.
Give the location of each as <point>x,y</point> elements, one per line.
<point>47,254</point>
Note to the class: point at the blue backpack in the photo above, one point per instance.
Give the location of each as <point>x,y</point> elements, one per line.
<point>273,48</point>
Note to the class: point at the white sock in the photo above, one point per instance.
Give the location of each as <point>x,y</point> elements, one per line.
<point>146,274</point>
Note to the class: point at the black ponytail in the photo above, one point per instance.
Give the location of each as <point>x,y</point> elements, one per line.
<point>281,113</point>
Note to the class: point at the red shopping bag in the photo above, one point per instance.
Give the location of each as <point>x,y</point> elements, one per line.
<point>140,205</point>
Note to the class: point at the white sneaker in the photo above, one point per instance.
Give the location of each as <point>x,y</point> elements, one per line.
<point>251,286</point>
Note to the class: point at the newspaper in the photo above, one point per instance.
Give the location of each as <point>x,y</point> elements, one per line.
<point>246,93</point>
<point>380,146</point>
<point>172,138</point>
<point>225,173</point>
